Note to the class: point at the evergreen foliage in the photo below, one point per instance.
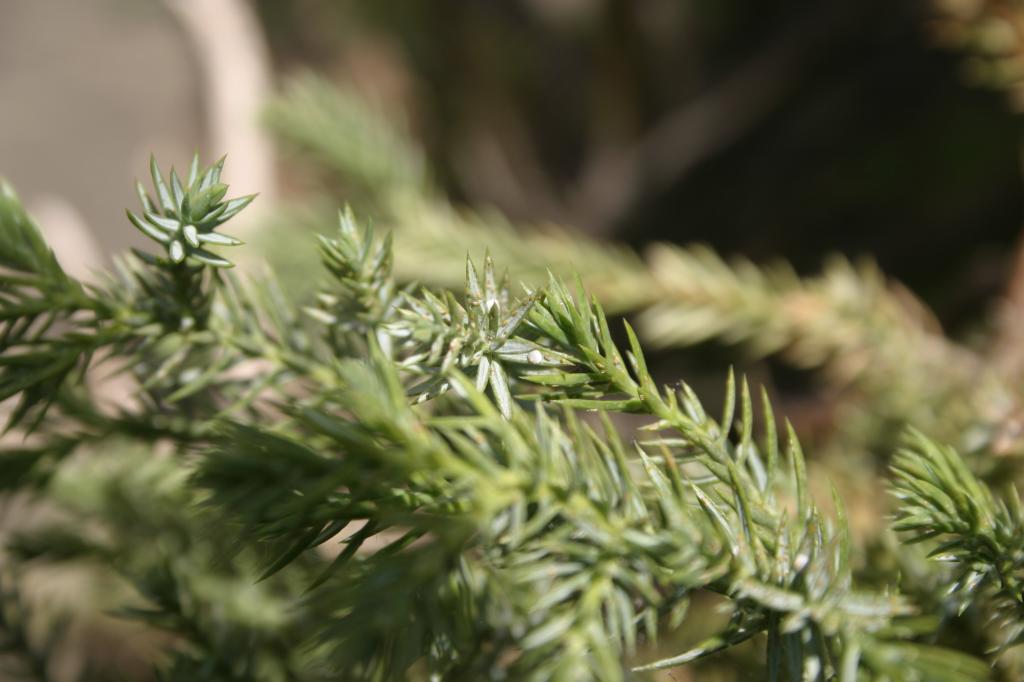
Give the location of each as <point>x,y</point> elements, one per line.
<point>400,482</point>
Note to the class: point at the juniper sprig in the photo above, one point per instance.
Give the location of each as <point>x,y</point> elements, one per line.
<point>403,483</point>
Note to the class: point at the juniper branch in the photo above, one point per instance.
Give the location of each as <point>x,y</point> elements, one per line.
<point>481,538</point>
<point>973,529</point>
<point>451,480</point>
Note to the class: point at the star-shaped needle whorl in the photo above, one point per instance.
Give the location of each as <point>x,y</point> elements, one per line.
<point>184,216</point>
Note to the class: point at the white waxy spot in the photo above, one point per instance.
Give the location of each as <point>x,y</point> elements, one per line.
<point>535,356</point>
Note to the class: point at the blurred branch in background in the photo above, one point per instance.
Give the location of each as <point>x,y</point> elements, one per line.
<point>991,33</point>
<point>868,333</point>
